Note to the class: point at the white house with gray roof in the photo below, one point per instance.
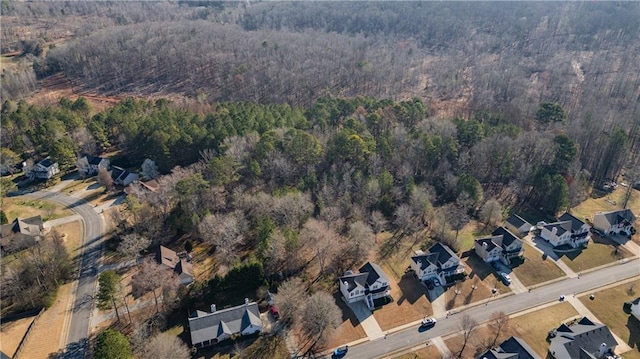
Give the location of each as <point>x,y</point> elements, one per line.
<point>569,230</point>
<point>211,328</point>
<point>502,245</point>
<point>368,284</point>
<point>439,262</point>
<point>583,340</point>
<point>615,222</point>
<point>519,224</point>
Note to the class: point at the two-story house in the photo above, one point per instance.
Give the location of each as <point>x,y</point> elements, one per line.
<point>89,165</point>
<point>44,169</point>
<point>502,245</point>
<point>370,283</point>
<point>615,222</point>
<point>519,224</point>
<point>181,266</point>
<point>122,177</point>
<point>438,262</point>
<point>569,230</point>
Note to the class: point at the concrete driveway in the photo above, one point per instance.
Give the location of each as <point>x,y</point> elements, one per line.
<point>545,248</point>
<point>367,320</point>
<point>516,285</point>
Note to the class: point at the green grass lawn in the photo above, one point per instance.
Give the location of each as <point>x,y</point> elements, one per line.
<point>14,207</point>
<point>607,307</point>
<point>599,252</point>
<point>536,270</point>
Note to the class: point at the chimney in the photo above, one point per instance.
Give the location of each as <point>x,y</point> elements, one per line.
<point>246,301</point>
<point>213,308</point>
<point>603,348</point>
<point>484,245</point>
<point>554,230</point>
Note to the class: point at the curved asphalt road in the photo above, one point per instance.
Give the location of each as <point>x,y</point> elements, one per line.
<point>90,254</point>
<point>412,337</point>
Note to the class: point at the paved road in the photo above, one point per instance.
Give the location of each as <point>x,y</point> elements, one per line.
<point>412,337</point>
<point>79,325</point>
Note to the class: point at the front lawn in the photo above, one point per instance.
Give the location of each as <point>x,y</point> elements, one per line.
<point>349,330</point>
<point>535,269</point>
<point>600,251</point>
<point>25,208</point>
<point>532,328</point>
<point>428,352</point>
<point>480,275</point>
<point>607,307</point>
<point>410,301</point>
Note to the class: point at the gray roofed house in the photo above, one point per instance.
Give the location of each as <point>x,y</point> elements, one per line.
<point>210,328</point>
<point>44,169</point>
<point>615,222</point>
<point>519,224</point>
<point>502,245</point>
<point>368,284</point>
<point>170,259</point>
<point>569,232</point>
<point>20,234</point>
<point>90,165</point>
<point>122,177</point>
<point>512,348</point>
<point>439,262</point>
<point>582,340</point>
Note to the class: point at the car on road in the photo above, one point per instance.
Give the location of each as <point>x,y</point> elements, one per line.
<point>562,298</point>
<point>339,352</point>
<point>506,278</point>
<point>428,322</point>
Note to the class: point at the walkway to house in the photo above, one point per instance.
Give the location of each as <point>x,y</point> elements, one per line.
<point>545,248</point>
<point>63,220</point>
<point>367,320</point>
<point>442,347</point>
<point>585,312</point>
<point>438,302</point>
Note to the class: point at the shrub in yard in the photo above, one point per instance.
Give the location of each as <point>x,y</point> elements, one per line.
<point>111,344</point>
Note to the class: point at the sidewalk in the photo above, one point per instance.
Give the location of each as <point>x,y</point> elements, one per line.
<point>585,312</point>
<point>63,220</point>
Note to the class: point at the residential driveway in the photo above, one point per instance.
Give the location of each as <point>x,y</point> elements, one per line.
<point>438,301</point>
<point>367,320</point>
<point>627,243</point>
<point>545,248</point>
<point>516,285</point>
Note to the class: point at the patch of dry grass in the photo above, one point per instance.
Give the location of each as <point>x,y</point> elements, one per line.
<point>349,330</point>
<point>47,332</point>
<point>12,333</point>
<point>607,307</point>
<point>481,276</point>
<point>24,208</point>
<point>600,251</point>
<point>534,269</point>
<point>72,233</point>
<point>609,202</point>
<point>531,327</point>
<point>428,352</point>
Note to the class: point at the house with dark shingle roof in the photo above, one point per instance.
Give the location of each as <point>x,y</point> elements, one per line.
<point>635,308</point>
<point>20,234</point>
<point>90,165</point>
<point>569,231</point>
<point>182,268</point>
<point>211,328</point>
<point>44,169</point>
<point>615,222</point>
<point>438,262</point>
<point>502,245</point>
<point>368,284</point>
<point>519,224</point>
<point>122,177</point>
<point>512,348</point>
<point>582,340</point>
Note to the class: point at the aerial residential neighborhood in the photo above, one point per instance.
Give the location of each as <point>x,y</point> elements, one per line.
<point>366,180</point>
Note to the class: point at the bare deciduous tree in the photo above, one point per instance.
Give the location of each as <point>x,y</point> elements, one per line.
<point>291,293</point>
<point>132,244</point>
<point>151,276</point>
<point>319,317</point>
<point>467,327</point>
<point>378,222</point>
<point>497,322</point>
<point>361,240</point>
<point>225,231</point>
<point>166,346</point>
<point>491,212</point>
<point>104,178</point>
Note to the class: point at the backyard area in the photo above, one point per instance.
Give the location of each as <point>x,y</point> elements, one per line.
<point>600,251</point>
<point>607,307</point>
<point>535,269</point>
<point>531,327</point>
<point>25,208</point>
